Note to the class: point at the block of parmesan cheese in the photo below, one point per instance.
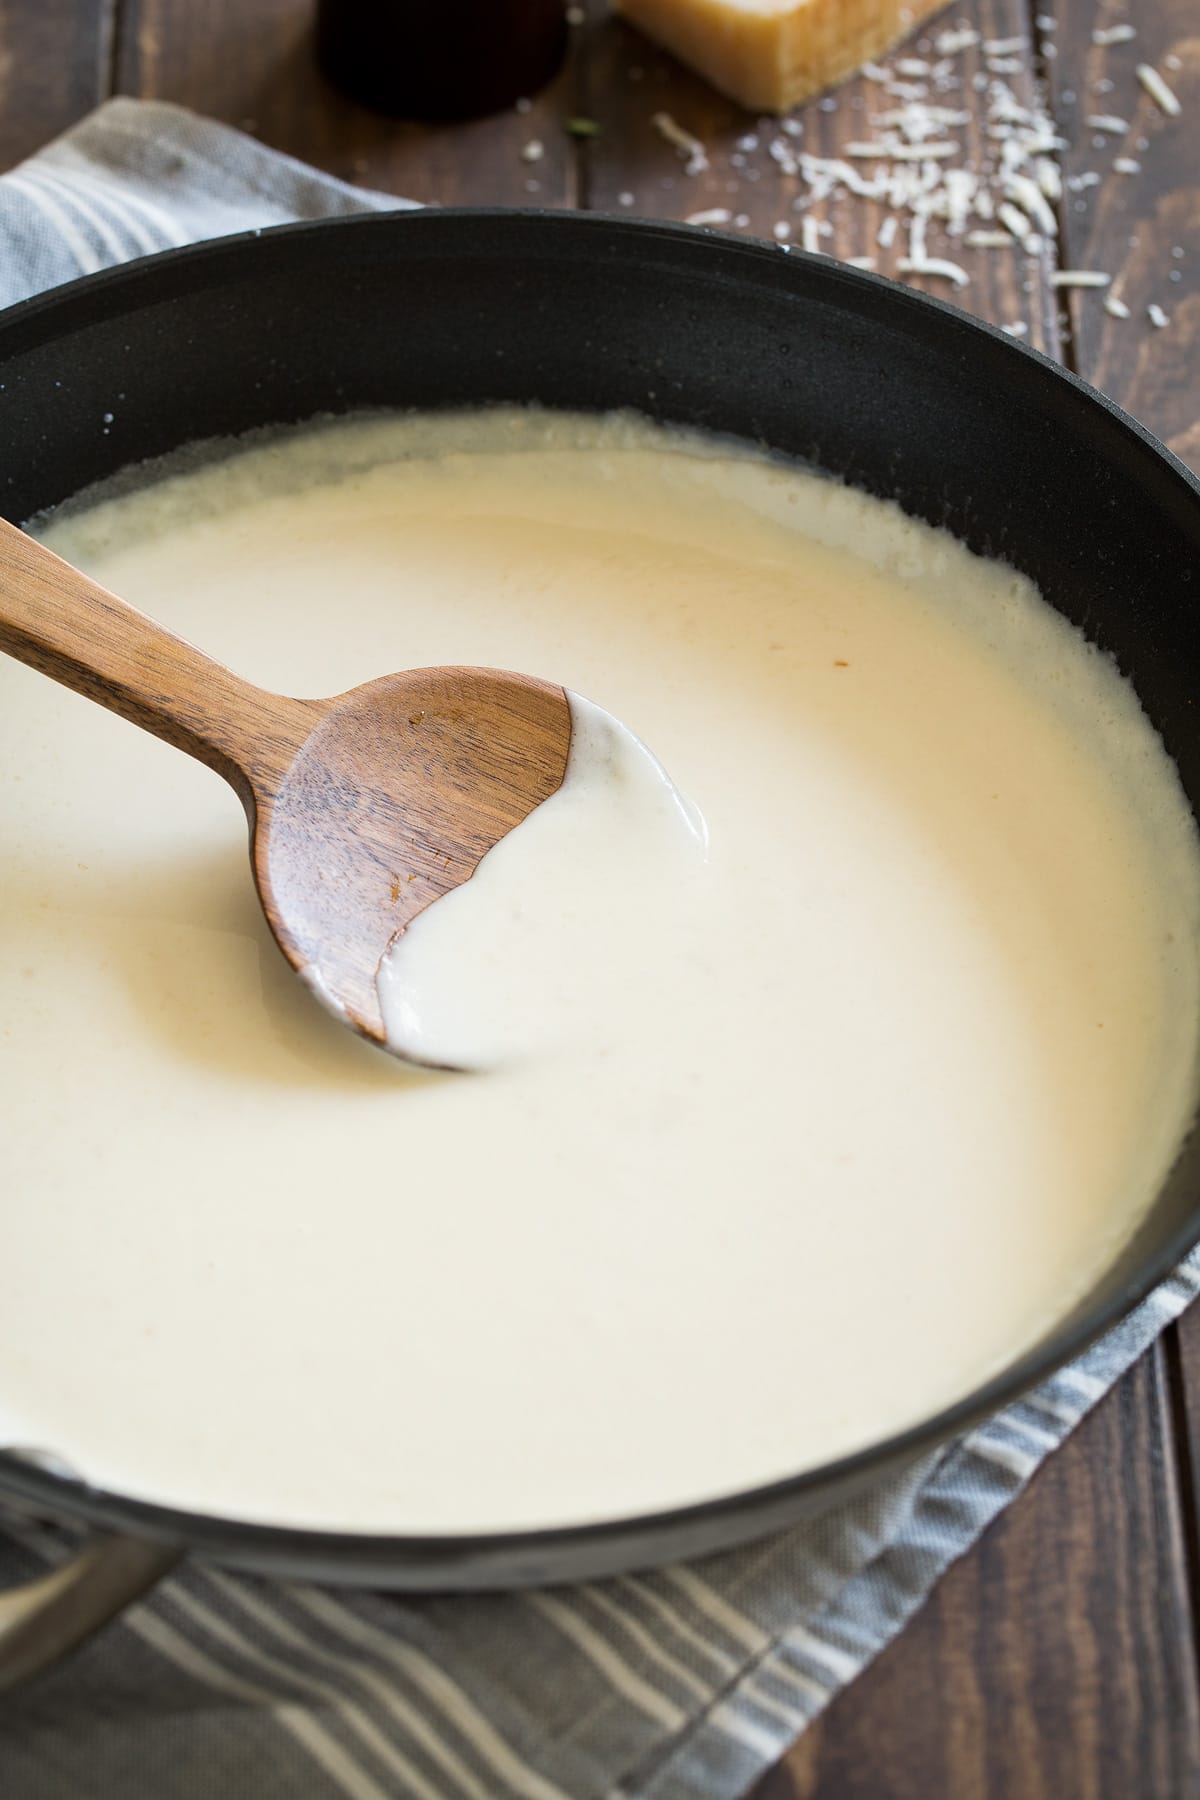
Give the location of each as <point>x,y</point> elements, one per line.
<point>770,54</point>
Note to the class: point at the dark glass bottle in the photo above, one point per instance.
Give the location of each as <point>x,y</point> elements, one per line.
<point>440,59</point>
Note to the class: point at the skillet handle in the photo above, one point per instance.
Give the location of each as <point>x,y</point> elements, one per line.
<point>44,1619</point>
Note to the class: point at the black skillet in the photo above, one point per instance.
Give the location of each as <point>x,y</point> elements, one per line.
<point>875,384</point>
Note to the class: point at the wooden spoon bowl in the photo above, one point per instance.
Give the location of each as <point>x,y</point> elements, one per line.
<point>390,800</point>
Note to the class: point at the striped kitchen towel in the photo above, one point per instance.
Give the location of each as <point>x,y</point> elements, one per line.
<point>683,1684</point>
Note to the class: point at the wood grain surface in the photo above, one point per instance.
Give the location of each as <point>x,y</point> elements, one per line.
<point>1143,227</point>
<point>1057,1661</point>
<point>252,64</point>
<point>55,64</point>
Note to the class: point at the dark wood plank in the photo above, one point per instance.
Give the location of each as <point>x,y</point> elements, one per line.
<point>252,65</point>
<point>1182,1345</point>
<point>631,167</point>
<point>1143,228</point>
<point>1055,1662</point>
<point>54,67</point>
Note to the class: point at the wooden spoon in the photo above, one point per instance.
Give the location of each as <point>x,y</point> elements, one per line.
<point>363,809</point>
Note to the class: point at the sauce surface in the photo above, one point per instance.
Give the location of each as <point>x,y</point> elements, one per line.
<point>842,1114</point>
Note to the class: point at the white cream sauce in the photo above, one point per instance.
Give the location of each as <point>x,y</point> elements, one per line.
<point>600,894</point>
<point>825,1121</point>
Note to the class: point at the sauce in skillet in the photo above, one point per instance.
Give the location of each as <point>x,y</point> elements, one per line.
<point>859,1097</point>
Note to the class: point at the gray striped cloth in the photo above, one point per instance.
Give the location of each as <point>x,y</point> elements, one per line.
<point>679,1685</point>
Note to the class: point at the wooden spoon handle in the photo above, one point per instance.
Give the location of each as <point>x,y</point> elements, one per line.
<point>75,631</point>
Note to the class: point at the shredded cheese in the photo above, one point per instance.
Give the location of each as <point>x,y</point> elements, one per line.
<point>1020,228</point>
<point>1080,278</point>
<point>934,265</point>
<point>895,151</point>
<point>1026,194</point>
<point>908,160</point>
<point>1113,34</point>
<point>952,43</point>
<point>689,147</point>
<point>1158,90</point>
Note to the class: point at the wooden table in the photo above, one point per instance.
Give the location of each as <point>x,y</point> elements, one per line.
<point>1058,1661</point>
